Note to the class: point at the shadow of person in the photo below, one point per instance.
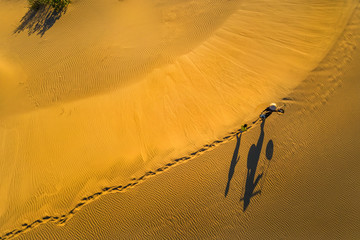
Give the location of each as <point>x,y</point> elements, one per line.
<point>39,20</point>
<point>233,163</point>
<point>252,163</point>
<point>269,150</point>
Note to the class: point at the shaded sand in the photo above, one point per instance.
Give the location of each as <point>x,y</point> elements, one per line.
<point>82,113</point>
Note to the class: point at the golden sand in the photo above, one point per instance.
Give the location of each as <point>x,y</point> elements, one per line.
<point>117,89</point>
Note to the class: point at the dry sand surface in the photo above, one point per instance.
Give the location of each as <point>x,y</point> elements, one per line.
<point>118,120</point>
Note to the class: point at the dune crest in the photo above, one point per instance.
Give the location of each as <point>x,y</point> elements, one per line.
<point>131,96</point>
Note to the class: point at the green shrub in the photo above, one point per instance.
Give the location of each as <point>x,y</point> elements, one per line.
<point>56,4</point>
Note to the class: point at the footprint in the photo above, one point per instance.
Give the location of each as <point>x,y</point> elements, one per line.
<point>62,221</point>
<point>79,204</point>
<point>127,186</point>
<point>97,194</point>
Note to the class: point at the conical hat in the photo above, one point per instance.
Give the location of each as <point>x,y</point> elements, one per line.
<point>273,106</point>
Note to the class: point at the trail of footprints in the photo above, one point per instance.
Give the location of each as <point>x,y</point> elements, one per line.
<point>61,220</point>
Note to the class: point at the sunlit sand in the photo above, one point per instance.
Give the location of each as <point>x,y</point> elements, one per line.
<point>119,119</point>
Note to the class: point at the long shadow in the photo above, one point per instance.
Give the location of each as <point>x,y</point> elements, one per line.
<point>39,20</point>
<point>252,163</point>
<point>233,163</point>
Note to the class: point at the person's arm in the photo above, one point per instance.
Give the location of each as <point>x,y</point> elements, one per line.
<point>265,110</point>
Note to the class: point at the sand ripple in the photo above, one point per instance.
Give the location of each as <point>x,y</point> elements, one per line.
<point>96,106</point>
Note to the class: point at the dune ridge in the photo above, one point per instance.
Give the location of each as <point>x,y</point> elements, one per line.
<point>347,43</point>
<point>310,96</point>
<point>61,220</point>
<point>158,116</point>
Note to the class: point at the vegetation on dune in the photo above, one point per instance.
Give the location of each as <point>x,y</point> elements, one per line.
<point>56,4</point>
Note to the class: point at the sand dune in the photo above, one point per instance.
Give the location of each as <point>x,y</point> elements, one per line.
<point>115,89</point>
<point>309,187</point>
